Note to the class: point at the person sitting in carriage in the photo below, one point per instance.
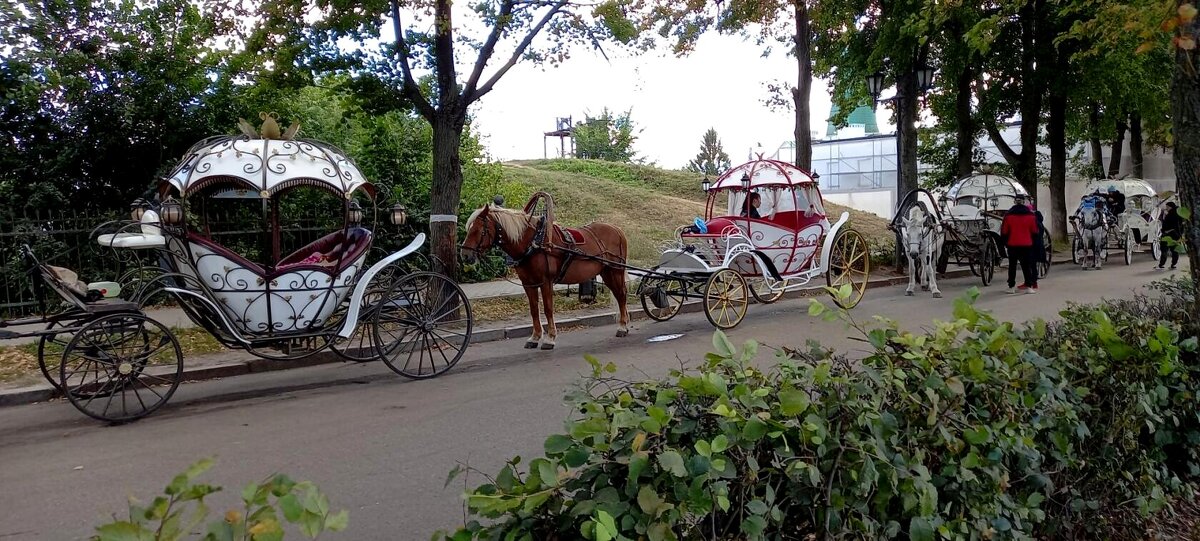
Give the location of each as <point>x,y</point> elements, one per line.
<point>751,204</point>
<point>1115,200</point>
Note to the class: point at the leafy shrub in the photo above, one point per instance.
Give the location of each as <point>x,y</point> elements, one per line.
<point>973,429</point>
<point>167,518</point>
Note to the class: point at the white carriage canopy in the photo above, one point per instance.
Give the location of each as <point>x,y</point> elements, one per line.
<point>782,186</point>
<point>986,192</point>
<point>260,168</point>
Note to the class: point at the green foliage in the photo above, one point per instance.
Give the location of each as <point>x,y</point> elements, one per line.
<point>676,183</point>
<point>606,137</point>
<point>181,511</point>
<point>972,429</point>
<point>712,159</point>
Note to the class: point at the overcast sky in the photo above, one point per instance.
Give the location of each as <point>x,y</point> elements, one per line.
<point>674,101</point>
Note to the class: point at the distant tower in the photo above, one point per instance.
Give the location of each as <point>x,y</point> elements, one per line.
<point>862,117</point>
<point>564,131</point>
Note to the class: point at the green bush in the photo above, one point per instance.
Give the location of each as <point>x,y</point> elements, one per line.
<point>973,429</point>
<point>181,512</point>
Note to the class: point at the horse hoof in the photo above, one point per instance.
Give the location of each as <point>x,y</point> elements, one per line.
<point>937,295</point>
<point>908,293</point>
<point>622,334</point>
<point>531,345</point>
<point>547,346</point>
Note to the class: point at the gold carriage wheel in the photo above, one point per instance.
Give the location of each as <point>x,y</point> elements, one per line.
<point>674,291</point>
<point>762,292</point>
<point>725,298</point>
<point>849,263</point>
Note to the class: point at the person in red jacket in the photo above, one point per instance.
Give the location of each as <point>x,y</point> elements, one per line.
<point>1019,231</point>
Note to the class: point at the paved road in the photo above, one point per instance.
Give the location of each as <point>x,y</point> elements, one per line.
<point>380,445</point>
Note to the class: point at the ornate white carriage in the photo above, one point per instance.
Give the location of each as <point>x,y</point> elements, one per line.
<point>728,255</point>
<point>326,293</point>
<point>1139,223</point>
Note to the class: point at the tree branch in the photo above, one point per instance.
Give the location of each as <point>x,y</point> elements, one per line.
<point>410,88</point>
<point>489,47</point>
<point>516,56</point>
<point>1002,145</point>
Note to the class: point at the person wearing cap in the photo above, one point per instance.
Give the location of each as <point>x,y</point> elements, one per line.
<point>1116,201</point>
<point>1172,232</point>
<point>1019,231</point>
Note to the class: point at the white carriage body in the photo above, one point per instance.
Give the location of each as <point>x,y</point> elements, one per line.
<point>792,231</point>
<point>980,200</point>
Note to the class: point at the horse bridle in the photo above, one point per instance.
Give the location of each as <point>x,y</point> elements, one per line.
<point>495,240</point>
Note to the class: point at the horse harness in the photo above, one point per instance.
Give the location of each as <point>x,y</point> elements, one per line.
<point>539,243</point>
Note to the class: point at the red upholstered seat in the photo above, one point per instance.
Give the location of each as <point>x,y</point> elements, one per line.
<point>573,235</point>
<point>339,249</point>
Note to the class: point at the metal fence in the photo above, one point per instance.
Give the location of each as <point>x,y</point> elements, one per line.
<point>66,239</point>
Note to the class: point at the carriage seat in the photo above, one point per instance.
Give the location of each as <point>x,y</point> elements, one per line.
<point>965,212</point>
<point>333,252</point>
<point>794,220</point>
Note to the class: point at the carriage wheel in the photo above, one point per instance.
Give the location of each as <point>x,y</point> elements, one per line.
<point>760,289</point>
<point>121,367</point>
<point>1077,254</point>
<point>1156,249</point>
<point>670,293</point>
<point>358,347</point>
<point>726,297</point>
<point>1128,245</point>
<point>849,263</point>
<point>50,350</point>
<point>134,282</point>
<point>422,325</point>
<point>988,254</point>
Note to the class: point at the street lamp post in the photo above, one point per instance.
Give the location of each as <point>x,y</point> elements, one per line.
<point>924,81</point>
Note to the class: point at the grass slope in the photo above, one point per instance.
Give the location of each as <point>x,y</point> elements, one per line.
<point>646,202</point>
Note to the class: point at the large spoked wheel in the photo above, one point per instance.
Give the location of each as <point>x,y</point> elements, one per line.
<point>1128,245</point>
<point>849,263</point>
<point>50,350</point>
<point>422,325</point>
<point>359,346</point>
<point>662,298</point>
<point>762,291</point>
<point>1077,253</point>
<point>988,254</point>
<point>1156,249</point>
<point>726,297</point>
<point>1043,266</point>
<point>121,367</point>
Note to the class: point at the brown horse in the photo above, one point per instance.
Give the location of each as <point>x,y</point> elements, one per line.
<point>537,248</point>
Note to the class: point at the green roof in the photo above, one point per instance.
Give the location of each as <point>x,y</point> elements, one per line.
<point>862,116</point>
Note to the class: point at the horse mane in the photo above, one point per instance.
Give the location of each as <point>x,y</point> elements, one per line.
<point>512,222</point>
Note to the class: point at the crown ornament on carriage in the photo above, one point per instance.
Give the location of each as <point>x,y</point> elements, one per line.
<point>269,129</point>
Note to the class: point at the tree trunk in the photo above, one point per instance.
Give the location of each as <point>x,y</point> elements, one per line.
<point>1056,137</point>
<point>1114,162</point>
<point>803,89</point>
<point>906,118</point>
<point>1185,126</point>
<point>965,142</point>
<point>1135,145</point>
<point>1032,30</point>
<point>445,194</point>
<point>1094,139</point>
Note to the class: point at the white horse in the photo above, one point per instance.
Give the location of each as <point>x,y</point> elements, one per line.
<point>923,238</point>
<point>1093,232</point>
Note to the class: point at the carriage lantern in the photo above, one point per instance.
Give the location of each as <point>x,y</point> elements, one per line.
<point>354,213</point>
<point>816,176</point>
<point>745,181</point>
<point>172,212</point>
<point>399,214</point>
<point>138,209</point>
<point>705,184</point>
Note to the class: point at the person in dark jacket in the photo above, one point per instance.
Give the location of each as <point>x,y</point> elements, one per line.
<point>1039,242</point>
<point>750,206</point>
<point>1019,230</point>
<point>1172,232</point>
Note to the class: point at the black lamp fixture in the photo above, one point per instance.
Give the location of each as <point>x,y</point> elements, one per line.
<point>745,181</point>
<point>875,84</point>
<point>924,77</point>
<point>138,209</point>
<point>398,214</point>
<point>171,212</point>
<point>354,213</point>
<point>705,184</point>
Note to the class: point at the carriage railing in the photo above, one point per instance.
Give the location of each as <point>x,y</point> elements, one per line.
<point>713,247</point>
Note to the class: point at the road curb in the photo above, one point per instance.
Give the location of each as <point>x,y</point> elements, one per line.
<point>254,365</point>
